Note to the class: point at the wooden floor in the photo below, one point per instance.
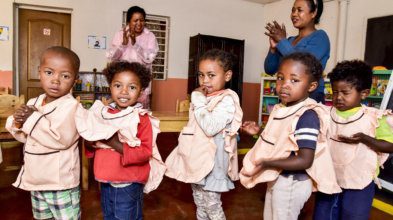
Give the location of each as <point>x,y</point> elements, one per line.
<point>171,201</point>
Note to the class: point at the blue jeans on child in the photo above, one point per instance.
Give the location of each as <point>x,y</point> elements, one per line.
<point>122,203</point>
<point>351,204</point>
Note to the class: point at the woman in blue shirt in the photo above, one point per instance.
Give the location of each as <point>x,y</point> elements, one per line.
<point>305,15</point>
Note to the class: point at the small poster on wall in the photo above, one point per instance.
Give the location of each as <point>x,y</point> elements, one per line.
<point>96,42</point>
<point>4,33</point>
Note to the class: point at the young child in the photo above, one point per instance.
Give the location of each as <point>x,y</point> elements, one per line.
<point>51,156</point>
<point>291,154</point>
<point>360,137</point>
<point>126,160</point>
<point>206,155</point>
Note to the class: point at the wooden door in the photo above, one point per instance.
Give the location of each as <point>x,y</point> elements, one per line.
<point>38,30</point>
<point>202,43</point>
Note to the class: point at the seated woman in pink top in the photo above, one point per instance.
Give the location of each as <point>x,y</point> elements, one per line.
<point>135,43</point>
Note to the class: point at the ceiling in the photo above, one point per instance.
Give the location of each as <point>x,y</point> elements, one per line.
<point>270,1</point>
<point>262,1</point>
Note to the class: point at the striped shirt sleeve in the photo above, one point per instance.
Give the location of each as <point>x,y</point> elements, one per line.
<point>307,130</point>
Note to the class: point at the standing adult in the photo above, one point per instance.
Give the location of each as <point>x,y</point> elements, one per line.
<point>135,43</point>
<point>305,15</point>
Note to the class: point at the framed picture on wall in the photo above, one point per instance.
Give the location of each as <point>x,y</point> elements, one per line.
<point>96,42</point>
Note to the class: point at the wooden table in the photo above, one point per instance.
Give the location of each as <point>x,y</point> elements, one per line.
<point>171,121</point>
<point>4,113</point>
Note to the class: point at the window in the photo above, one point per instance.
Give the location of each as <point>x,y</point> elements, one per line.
<point>159,25</point>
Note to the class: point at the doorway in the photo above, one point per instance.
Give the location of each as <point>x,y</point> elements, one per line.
<point>36,31</point>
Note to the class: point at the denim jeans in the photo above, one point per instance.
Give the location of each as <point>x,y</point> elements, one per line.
<point>351,204</point>
<point>122,203</point>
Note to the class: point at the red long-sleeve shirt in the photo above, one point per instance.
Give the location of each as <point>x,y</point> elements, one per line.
<point>133,165</point>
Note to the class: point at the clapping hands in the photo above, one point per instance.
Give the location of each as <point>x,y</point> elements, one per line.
<point>276,32</point>
<point>129,34</point>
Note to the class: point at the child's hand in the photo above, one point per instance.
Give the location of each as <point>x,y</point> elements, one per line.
<point>114,142</point>
<point>89,144</point>
<point>250,127</point>
<point>201,89</point>
<point>354,139</point>
<point>22,113</point>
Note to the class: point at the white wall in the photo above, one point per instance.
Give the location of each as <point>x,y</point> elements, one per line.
<point>228,18</point>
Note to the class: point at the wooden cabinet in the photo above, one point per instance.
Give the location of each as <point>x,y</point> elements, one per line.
<point>202,43</point>
<point>91,86</point>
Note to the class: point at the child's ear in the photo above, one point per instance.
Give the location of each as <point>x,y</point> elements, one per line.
<point>228,75</point>
<point>364,93</point>
<point>313,86</point>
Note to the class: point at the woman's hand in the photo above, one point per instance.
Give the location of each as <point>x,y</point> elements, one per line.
<point>250,127</point>
<point>275,31</point>
<point>273,45</point>
<point>129,34</point>
<point>125,35</point>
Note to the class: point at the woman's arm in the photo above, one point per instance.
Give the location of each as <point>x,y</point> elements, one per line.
<point>117,48</point>
<point>147,48</point>
<point>318,45</point>
<point>272,62</point>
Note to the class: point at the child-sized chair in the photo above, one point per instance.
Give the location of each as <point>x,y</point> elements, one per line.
<point>10,149</point>
<point>183,106</point>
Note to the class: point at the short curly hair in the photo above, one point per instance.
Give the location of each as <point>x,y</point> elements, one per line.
<point>138,69</point>
<point>356,72</point>
<point>313,66</point>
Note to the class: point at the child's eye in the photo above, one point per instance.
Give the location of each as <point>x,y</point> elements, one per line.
<point>211,75</point>
<point>294,80</point>
<point>132,87</point>
<point>279,78</point>
<point>66,76</point>
<point>116,86</point>
<point>47,72</point>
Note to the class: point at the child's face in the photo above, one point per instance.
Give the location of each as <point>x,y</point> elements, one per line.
<point>345,95</point>
<point>57,76</point>
<point>293,83</point>
<point>212,76</point>
<point>125,89</point>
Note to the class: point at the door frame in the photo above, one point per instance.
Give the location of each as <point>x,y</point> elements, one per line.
<point>15,60</point>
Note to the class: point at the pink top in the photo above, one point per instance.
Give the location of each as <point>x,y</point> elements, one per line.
<point>144,50</point>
